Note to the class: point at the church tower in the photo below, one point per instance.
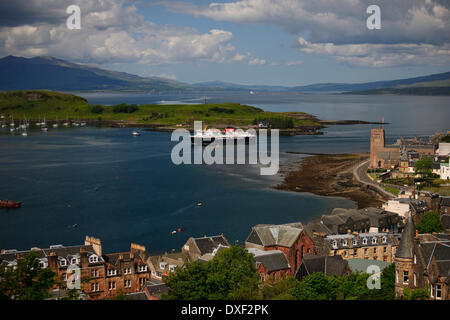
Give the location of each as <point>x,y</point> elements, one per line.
<point>376,145</point>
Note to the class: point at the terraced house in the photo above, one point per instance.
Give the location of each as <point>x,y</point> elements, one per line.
<point>103,275</point>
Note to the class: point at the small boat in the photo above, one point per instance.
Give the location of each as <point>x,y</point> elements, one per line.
<point>12,129</point>
<point>24,134</point>
<point>82,124</point>
<point>45,129</point>
<point>135,133</point>
<point>9,204</point>
<point>199,204</point>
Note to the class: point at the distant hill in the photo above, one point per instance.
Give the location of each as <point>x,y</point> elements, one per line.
<point>402,83</point>
<point>17,73</point>
<point>48,73</point>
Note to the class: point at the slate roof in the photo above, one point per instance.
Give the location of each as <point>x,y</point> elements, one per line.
<point>62,252</point>
<point>271,235</point>
<point>272,260</point>
<point>113,258</point>
<point>209,244</point>
<point>156,288</point>
<point>357,241</point>
<point>137,296</point>
<point>329,265</point>
<point>361,265</point>
<point>405,247</point>
<point>445,201</point>
<point>440,251</point>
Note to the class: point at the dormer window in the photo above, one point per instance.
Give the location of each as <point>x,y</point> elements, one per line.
<point>384,239</point>
<point>344,243</point>
<point>374,240</point>
<point>127,271</point>
<point>93,259</point>
<point>334,244</point>
<point>162,265</point>
<point>74,261</point>
<point>365,241</point>
<point>172,268</point>
<point>355,242</point>
<point>142,268</point>
<point>112,272</point>
<point>63,262</point>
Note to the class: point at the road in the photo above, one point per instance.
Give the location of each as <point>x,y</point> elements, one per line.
<point>360,174</point>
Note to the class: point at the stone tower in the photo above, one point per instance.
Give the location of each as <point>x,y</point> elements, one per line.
<point>376,145</point>
<point>408,260</point>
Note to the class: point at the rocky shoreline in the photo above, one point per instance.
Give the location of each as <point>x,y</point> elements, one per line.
<point>329,175</point>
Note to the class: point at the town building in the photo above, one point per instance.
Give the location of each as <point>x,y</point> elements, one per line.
<point>163,265</point>
<point>204,248</point>
<point>391,156</point>
<point>103,275</point>
<point>291,239</point>
<point>444,205</point>
<point>329,266</point>
<point>423,261</point>
<point>271,265</point>
<point>372,246</point>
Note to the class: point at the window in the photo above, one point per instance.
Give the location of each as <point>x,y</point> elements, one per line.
<point>374,250</point>
<point>162,265</point>
<point>385,249</point>
<point>355,252</point>
<point>94,273</point>
<point>365,251</point>
<point>141,282</point>
<point>438,291</point>
<point>127,271</point>
<point>93,259</point>
<point>94,286</point>
<point>112,272</point>
<point>365,241</point>
<point>73,261</point>
<point>112,285</point>
<point>415,280</point>
<point>127,283</point>
<point>172,268</point>
<point>374,240</point>
<point>384,239</point>
<point>355,242</point>
<point>142,268</point>
<point>64,276</point>
<point>344,243</point>
<point>63,262</point>
<point>405,277</point>
<point>334,244</point>
<point>345,253</point>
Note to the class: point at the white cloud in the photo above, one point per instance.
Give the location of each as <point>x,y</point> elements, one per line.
<point>412,30</point>
<point>114,33</point>
<point>256,61</point>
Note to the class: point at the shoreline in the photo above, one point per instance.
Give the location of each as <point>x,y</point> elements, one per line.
<point>329,175</point>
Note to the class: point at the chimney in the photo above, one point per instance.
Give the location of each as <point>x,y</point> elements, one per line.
<point>84,262</point>
<point>95,243</point>
<point>52,261</point>
<point>137,248</point>
<point>417,233</point>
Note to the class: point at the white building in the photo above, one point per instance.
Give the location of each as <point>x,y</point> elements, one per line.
<point>399,206</point>
<point>444,149</point>
<point>445,170</point>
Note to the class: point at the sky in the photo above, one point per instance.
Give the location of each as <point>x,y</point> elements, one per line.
<point>264,42</point>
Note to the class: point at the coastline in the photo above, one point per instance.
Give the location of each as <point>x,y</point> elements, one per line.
<point>328,175</point>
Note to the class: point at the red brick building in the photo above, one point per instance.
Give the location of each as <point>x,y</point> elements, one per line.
<point>291,239</point>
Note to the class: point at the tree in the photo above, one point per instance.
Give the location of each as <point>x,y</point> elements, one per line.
<point>430,223</point>
<point>313,287</point>
<point>230,274</point>
<point>97,109</point>
<point>415,294</point>
<point>28,281</point>
<point>424,167</point>
<point>281,290</point>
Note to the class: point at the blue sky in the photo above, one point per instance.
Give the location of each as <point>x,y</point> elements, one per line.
<point>273,42</point>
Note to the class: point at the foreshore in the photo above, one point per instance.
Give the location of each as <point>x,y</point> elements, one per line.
<point>329,175</point>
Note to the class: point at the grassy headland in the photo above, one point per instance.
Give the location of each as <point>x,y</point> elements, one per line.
<point>38,104</point>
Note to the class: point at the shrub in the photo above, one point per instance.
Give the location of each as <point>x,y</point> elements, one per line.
<point>125,108</point>
<point>97,109</point>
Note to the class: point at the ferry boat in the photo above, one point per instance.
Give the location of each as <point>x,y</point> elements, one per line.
<point>9,204</point>
<point>229,135</point>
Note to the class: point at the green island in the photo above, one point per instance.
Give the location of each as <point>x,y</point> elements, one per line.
<point>33,105</point>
